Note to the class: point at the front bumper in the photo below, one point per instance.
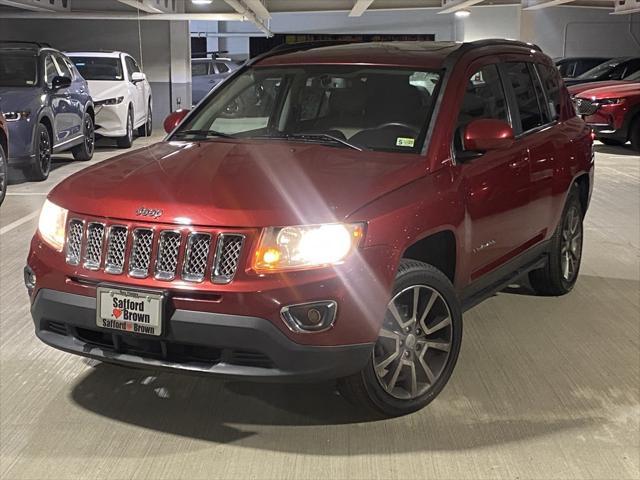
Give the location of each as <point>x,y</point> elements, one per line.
<point>111,120</point>
<point>198,342</point>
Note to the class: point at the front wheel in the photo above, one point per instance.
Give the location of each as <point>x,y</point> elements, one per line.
<point>4,174</point>
<point>417,348</point>
<point>634,134</point>
<point>84,151</point>
<point>560,273</point>
<point>147,129</point>
<point>127,140</point>
<point>611,142</point>
<point>39,171</point>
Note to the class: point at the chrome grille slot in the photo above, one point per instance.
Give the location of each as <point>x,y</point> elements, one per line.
<point>227,257</point>
<point>74,242</point>
<point>93,248</point>
<point>168,251</point>
<point>116,248</point>
<point>141,252</point>
<point>586,107</point>
<point>196,257</point>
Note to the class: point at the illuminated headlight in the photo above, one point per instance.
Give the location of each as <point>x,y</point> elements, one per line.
<point>296,248</point>
<point>110,101</point>
<point>609,101</point>
<point>52,224</point>
<point>15,116</point>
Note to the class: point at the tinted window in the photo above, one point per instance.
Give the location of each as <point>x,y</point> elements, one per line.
<point>132,66</point>
<point>524,89</point>
<point>199,69</point>
<point>99,68</point>
<point>602,71</point>
<point>553,89</point>
<point>222,68</point>
<point>18,70</point>
<point>484,97</point>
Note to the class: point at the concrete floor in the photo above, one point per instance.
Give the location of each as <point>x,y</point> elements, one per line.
<point>544,388</point>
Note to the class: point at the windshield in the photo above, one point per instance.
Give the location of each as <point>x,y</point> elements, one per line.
<point>600,71</point>
<point>18,69</point>
<point>343,106</point>
<point>99,68</point>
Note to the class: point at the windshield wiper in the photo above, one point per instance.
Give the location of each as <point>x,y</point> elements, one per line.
<point>203,133</point>
<point>318,137</point>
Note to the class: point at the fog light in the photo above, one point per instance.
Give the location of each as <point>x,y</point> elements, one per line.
<point>310,317</point>
<point>29,279</point>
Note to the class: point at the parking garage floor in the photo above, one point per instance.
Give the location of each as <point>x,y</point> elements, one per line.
<point>544,388</point>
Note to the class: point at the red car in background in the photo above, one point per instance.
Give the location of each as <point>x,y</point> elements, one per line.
<point>4,154</point>
<point>612,109</point>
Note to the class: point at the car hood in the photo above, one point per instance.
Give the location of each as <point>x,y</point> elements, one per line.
<point>103,90</point>
<point>232,184</point>
<point>577,89</point>
<point>19,98</point>
<point>619,90</point>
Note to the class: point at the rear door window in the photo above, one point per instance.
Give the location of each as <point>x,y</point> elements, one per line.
<point>526,96</point>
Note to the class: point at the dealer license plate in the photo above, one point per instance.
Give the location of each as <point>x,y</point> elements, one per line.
<point>129,311</point>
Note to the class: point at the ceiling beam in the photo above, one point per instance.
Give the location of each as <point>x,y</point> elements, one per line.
<point>74,15</point>
<point>550,3</point>
<point>259,9</point>
<point>360,7</point>
<point>250,15</point>
<point>31,5</point>
<point>451,6</point>
<point>142,5</point>
<point>626,7</point>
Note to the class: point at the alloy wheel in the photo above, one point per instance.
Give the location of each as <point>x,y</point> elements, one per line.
<point>149,121</point>
<point>3,174</point>
<point>44,151</point>
<point>89,135</point>
<point>571,249</point>
<point>415,342</point>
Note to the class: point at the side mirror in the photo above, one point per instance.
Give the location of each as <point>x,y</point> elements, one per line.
<point>138,77</point>
<point>174,119</point>
<point>59,83</point>
<point>487,134</point>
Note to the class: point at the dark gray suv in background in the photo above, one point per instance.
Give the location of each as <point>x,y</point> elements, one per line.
<point>47,106</point>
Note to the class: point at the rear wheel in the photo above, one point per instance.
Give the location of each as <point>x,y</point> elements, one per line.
<point>4,174</point>
<point>418,345</point>
<point>84,151</point>
<point>563,265</point>
<point>146,129</point>
<point>39,171</point>
<point>127,140</point>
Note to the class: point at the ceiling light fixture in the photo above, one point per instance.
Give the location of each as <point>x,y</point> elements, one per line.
<point>202,2</point>
<point>462,13</point>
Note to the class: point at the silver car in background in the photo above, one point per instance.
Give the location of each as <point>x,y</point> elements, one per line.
<point>206,73</point>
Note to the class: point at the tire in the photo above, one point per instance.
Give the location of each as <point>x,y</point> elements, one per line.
<point>40,170</point>
<point>127,140</point>
<point>400,346</point>
<point>634,134</point>
<point>560,273</point>
<point>147,129</point>
<point>4,174</point>
<point>611,142</point>
<point>84,151</point>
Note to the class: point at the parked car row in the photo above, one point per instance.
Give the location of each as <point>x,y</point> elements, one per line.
<point>54,102</point>
<point>579,70</point>
<point>612,108</point>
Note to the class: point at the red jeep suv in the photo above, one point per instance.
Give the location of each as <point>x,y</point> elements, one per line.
<point>325,213</point>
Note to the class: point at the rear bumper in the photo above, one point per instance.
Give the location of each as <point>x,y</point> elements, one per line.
<point>198,342</point>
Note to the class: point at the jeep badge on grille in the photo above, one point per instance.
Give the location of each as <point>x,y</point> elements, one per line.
<point>149,212</point>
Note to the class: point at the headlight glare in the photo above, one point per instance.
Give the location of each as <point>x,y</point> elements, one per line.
<point>18,115</point>
<point>609,101</point>
<point>310,246</point>
<point>110,101</point>
<point>52,224</point>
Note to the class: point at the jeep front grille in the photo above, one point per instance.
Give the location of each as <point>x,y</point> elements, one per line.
<point>141,252</point>
<point>165,254</point>
<point>196,258</point>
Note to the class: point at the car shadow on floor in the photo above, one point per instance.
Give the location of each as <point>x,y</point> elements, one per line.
<point>616,150</point>
<point>477,409</point>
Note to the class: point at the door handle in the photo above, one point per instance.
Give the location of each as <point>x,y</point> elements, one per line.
<point>518,164</point>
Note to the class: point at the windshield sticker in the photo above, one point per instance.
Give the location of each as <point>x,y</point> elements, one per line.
<point>405,142</point>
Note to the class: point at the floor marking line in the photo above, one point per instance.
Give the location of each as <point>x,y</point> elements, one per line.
<point>17,223</point>
<point>25,194</point>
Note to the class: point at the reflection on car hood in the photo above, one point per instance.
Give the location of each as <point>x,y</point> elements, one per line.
<point>617,90</point>
<point>103,90</point>
<point>248,184</point>
<point>576,89</point>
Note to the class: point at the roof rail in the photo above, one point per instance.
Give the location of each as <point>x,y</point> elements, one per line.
<point>26,43</point>
<point>503,41</point>
<point>299,47</point>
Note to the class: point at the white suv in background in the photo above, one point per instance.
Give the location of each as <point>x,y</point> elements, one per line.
<point>120,91</point>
